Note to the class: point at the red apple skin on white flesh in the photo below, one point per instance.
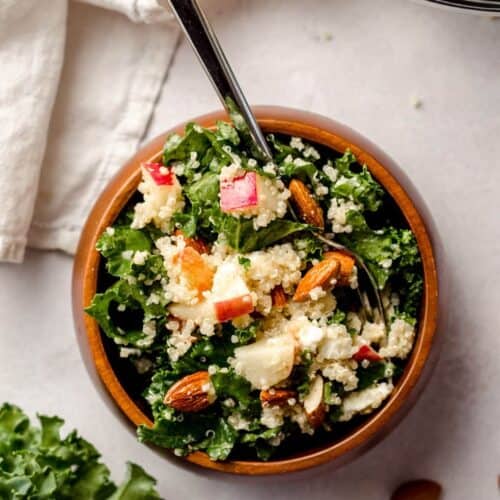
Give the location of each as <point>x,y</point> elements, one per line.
<point>239,193</point>
<point>226,310</point>
<point>161,175</point>
<point>366,352</point>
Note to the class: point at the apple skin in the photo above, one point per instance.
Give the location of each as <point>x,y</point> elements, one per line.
<point>226,310</point>
<point>366,352</point>
<point>160,178</point>
<point>239,193</point>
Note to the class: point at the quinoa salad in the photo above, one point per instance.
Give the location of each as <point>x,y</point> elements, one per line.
<point>240,332</point>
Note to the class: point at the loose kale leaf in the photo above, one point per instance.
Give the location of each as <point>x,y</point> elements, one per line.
<point>138,485</point>
<point>37,463</point>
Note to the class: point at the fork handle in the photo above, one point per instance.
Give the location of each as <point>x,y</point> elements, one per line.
<point>206,46</point>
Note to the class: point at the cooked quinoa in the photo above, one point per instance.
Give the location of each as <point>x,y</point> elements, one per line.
<point>212,297</point>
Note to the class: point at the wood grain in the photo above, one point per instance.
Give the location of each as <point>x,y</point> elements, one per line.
<point>313,128</point>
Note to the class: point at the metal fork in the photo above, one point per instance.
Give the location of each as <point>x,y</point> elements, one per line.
<point>211,56</point>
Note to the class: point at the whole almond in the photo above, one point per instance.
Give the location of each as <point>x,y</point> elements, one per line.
<point>421,489</point>
<point>276,397</point>
<point>278,296</point>
<point>308,208</point>
<point>321,275</point>
<point>346,265</point>
<point>192,393</point>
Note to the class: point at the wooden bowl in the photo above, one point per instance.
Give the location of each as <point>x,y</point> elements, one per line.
<point>316,129</point>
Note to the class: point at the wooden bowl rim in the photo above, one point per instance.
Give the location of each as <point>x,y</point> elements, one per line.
<point>316,129</point>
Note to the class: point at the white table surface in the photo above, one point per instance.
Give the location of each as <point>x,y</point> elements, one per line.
<point>361,62</point>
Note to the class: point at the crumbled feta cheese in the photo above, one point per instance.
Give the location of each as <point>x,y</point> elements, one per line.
<point>110,231</point>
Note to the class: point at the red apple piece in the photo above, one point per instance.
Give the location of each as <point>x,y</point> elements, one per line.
<point>366,352</point>
<point>226,310</point>
<point>239,193</point>
<point>161,175</point>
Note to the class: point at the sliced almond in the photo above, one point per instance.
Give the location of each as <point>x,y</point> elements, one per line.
<point>313,403</point>
<point>420,489</point>
<point>278,296</point>
<point>347,264</point>
<point>321,275</point>
<point>308,208</point>
<point>276,397</point>
<point>192,393</point>
<point>196,243</point>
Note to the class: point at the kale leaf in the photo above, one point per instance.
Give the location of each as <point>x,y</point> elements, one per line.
<point>359,187</point>
<point>36,462</point>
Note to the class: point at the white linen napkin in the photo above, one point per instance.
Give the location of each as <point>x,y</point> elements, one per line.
<point>56,153</point>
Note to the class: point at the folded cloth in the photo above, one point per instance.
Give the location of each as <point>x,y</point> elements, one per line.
<point>56,153</point>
